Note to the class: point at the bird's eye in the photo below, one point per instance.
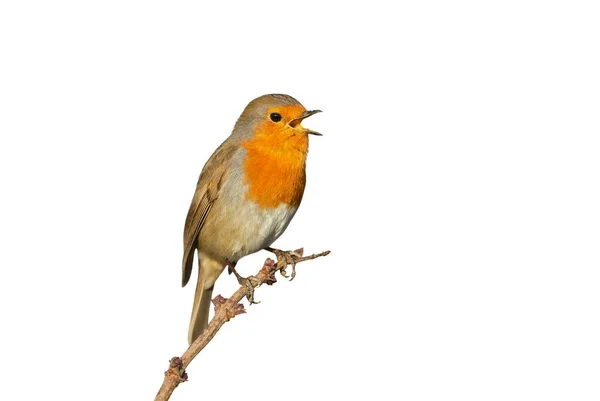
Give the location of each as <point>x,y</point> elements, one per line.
<point>275,117</point>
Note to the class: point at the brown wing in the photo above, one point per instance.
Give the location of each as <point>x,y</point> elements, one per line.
<point>207,191</point>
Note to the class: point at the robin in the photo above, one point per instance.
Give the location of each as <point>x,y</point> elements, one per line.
<point>247,194</point>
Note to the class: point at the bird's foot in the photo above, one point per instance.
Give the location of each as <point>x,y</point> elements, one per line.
<point>285,258</point>
<point>246,282</point>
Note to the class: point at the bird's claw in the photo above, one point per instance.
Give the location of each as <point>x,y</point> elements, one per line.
<point>246,282</point>
<point>285,258</point>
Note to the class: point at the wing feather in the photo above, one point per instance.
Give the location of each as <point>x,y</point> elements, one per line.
<point>207,192</point>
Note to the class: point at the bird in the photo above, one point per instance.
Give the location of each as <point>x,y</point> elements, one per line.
<point>248,192</point>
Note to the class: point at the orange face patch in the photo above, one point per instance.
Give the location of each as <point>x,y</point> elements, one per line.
<point>275,162</point>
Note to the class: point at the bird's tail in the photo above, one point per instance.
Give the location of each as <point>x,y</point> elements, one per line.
<point>208,273</point>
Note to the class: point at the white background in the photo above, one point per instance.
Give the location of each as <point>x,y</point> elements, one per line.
<point>457,185</point>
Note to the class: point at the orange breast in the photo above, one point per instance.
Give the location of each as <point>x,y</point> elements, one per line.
<point>275,167</point>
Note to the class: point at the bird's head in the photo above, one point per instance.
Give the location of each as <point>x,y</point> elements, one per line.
<point>276,120</point>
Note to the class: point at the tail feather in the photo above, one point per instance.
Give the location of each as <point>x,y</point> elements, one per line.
<point>199,320</point>
<point>208,273</point>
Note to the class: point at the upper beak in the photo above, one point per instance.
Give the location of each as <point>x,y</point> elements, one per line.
<point>296,121</point>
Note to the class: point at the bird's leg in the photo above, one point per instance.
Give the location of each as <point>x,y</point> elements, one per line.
<point>243,282</point>
<point>285,258</point>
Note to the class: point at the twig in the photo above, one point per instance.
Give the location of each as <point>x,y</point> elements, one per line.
<point>225,309</point>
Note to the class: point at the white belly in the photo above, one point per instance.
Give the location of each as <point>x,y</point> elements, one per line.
<point>240,227</point>
<point>269,224</point>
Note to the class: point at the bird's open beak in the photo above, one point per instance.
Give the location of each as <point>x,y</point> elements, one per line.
<point>296,122</point>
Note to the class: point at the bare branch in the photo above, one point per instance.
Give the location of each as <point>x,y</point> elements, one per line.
<point>225,310</point>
